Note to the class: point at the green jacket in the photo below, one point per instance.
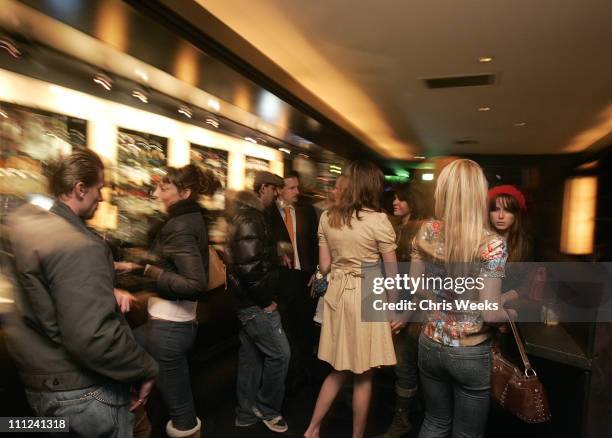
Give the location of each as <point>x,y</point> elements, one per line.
<point>67,332</point>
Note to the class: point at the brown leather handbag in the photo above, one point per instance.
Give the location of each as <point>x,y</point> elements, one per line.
<point>216,270</point>
<point>518,392</point>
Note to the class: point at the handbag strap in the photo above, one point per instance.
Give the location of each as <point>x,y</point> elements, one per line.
<point>529,371</point>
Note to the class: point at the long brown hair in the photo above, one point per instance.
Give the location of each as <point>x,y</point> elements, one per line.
<point>517,240</point>
<point>364,188</point>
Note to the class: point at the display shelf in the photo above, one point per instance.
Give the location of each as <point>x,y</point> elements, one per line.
<point>554,342</point>
<point>216,161</point>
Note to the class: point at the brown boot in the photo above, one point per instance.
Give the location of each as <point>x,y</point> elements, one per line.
<point>400,425</point>
<point>172,432</point>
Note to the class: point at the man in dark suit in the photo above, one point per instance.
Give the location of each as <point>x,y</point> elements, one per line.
<point>293,225</point>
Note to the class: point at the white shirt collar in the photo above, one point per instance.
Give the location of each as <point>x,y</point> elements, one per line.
<point>281,204</point>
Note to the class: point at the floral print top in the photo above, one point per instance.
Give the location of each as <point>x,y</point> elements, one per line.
<point>444,321</point>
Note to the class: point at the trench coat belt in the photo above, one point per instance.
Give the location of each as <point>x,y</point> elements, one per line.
<point>341,280</point>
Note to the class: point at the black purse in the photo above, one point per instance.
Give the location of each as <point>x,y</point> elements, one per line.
<point>319,285</point>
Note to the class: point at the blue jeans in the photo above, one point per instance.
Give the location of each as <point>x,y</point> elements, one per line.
<point>456,386</point>
<point>169,342</point>
<point>97,411</point>
<point>263,361</point>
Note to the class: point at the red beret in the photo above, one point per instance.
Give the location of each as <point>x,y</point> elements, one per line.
<point>507,189</point>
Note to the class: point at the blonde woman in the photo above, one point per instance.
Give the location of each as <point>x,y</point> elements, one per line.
<point>454,347</point>
<point>352,232</point>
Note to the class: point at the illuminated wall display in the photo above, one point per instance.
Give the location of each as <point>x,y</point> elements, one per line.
<point>141,159</point>
<point>215,160</point>
<point>29,140</point>
<point>579,208</point>
<point>112,130</point>
<point>252,165</point>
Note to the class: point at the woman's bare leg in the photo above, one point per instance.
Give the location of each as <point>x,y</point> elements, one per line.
<point>362,394</point>
<point>329,390</point>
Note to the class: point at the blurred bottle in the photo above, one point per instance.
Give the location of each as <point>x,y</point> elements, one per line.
<point>536,288</point>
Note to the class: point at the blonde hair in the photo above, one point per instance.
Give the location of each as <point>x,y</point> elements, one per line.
<point>461,202</point>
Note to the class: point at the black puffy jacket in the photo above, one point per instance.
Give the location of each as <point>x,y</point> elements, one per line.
<point>182,247</point>
<point>251,253</point>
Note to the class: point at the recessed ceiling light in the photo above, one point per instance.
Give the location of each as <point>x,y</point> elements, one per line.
<point>104,81</point>
<point>252,140</point>
<point>484,109</point>
<point>212,122</point>
<point>485,59</point>
<point>10,47</point>
<point>520,124</point>
<point>214,104</point>
<point>140,95</point>
<point>141,74</point>
<point>186,111</point>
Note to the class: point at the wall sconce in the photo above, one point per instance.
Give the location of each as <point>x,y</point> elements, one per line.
<point>579,207</point>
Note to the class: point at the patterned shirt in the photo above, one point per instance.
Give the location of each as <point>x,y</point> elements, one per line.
<point>445,322</point>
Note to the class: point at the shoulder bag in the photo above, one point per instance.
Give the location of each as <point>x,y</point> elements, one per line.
<point>518,392</point>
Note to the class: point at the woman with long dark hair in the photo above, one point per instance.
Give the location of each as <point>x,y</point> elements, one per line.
<point>507,208</point>
<point>408,212</point>
<point>507,215</point>
<point>352,232</point>
<point>180,245</point>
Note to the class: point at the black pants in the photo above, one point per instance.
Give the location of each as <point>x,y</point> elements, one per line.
<point>297,310</point>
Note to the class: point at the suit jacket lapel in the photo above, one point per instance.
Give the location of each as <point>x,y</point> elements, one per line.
<point>279,228</point>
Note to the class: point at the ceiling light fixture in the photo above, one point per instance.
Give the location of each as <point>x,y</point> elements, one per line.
<point>212,122</point>
<point>186,111</point>
<point>285,150</point>
<point>485,59</point>
<point>10,47</point>
<point>104,81</point>
<point>142,75</point>
<point>252,140</point>
<point>520,124</point>
<point>214,104</point>
<point>419,157</point>
<point>140,95</point>
<point>427,177</point>
<point>484,109</point>
<point>3,114</point>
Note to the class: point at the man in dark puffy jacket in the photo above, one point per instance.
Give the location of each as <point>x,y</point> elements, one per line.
<point>264,350</point>
<point>74,350</point>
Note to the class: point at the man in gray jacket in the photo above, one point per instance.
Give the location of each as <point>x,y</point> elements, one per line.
<point>74,350</point>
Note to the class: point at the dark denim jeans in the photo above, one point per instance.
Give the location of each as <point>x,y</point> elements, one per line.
<point>169,342</point>
<point>456,386</point>
<point>97,411</point>
<point>406,370</point>
<point>263,362</point>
